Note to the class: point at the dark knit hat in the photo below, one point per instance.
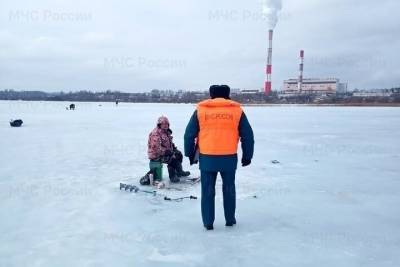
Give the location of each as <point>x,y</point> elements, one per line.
<point>222,91</point>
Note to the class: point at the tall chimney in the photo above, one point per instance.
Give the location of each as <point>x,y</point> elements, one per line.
<point>301,68</point>
<point>268,86</point>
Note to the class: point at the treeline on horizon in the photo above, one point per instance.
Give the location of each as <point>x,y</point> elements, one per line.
<point>169,96</point>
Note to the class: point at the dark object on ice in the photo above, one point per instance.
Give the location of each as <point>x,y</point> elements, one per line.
<point>16,123</point>
<point>117,102</point>
<point>72,107</point>
<point>275,161</point>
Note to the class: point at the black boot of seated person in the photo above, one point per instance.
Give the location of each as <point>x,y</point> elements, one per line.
<point>172,175</point>
<point>180,172</point>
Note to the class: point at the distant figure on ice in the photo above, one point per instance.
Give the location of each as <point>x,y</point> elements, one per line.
<point>161,150</point>
<point>216,127</point>
<point>16,123</point>
<point>72,107</point>
<point>117,102</point>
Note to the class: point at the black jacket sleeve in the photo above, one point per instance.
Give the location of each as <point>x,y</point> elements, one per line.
<point>191,133</point>
<point>246,137</point>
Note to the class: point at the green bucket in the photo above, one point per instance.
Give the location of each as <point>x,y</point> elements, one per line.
<point>156,166</point>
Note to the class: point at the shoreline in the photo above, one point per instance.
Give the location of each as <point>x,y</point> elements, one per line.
<point>243,104</point>
<point>330,105</point>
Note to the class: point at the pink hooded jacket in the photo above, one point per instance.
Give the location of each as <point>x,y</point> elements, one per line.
<point>160,140</point>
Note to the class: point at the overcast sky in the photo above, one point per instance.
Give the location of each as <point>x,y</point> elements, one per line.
<point>133,46</point>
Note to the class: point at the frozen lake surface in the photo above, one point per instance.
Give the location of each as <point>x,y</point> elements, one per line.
<point>332,201</point>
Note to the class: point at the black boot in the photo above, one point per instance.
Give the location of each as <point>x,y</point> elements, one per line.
<point>145,180</point>
<point>232,223</point>
<point>172,175</point>
<point>209,227</point>
<point>180,172</point>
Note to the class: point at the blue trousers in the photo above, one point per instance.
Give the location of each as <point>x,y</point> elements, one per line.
<point>208,179</point>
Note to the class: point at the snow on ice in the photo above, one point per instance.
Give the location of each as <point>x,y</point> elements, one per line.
<point>331,199</point>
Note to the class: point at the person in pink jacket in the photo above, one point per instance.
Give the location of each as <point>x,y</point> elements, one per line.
<point>161,149</point>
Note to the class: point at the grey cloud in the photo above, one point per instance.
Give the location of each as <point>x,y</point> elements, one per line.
<point>68,45</point>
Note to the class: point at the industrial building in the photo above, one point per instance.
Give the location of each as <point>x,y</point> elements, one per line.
<point>376,93</point>
<point>327,86</point>
<point>313,86</point>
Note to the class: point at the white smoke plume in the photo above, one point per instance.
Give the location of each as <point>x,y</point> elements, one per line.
<point>271,9</point>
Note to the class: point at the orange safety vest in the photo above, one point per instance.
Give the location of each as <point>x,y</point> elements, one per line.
<point>219,126</point>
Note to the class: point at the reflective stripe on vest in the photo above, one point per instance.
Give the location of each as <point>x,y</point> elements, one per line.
<point>219,126</point>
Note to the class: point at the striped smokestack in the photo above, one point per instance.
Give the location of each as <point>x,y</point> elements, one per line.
<point>301,68</point>
<point>268,86</point>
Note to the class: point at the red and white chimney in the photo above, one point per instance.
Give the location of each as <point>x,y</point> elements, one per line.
<point>268,85</point>
<point>301,68</point>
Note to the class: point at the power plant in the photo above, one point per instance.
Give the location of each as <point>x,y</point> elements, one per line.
<point>311,86</point>
<point>321,86</point>
<point>299,86</point>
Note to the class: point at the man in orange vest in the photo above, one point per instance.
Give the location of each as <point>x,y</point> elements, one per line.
<point>214,131</point>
